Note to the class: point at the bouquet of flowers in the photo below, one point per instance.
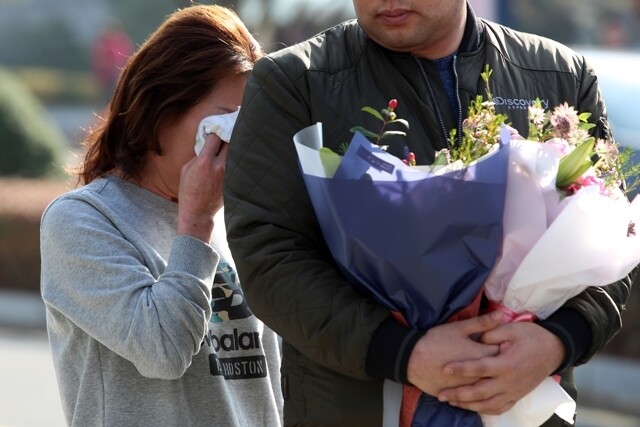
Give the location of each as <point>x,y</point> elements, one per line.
<point>353,194</point>
<point>526,195</point>
<point>562,183</point>
<point>431,258</point>
<point>563,191</point>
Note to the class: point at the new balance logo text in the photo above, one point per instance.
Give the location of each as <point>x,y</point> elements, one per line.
<point>233,342</point>
<point>238,368</point>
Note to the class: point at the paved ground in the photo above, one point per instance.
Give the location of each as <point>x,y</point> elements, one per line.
<point>29,395</point>
<point>28,390</point>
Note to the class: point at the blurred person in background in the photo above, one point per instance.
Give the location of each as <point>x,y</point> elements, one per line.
<point>614,33</point>
<point>145,315</point>
<point>110,52</point>
<point>339,345</point>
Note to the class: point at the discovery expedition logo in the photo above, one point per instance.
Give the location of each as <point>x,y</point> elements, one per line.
<point>518,103</point>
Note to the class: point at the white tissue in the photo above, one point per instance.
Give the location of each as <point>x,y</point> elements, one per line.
<point>220,124</point>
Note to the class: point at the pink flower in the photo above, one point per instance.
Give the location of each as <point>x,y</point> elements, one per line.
<point>577,136</point>
<point>606,148</point>
<point>586,181</point>
<point>564,120</point>
<point>560,144</point>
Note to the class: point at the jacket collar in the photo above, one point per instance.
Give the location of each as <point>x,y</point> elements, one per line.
<point>473,32</point>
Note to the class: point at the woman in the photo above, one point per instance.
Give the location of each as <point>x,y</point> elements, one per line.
<point>146,320</point>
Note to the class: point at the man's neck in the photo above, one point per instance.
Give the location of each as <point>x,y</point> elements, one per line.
<point>449,43</point>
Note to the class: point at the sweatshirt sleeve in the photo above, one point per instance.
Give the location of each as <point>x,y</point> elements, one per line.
<point>97,279</point>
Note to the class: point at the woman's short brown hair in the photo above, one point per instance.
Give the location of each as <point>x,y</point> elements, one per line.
<point>173,70</point>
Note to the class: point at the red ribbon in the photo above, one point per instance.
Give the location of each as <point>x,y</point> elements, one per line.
<point>510,315</point>
<point>411,394</point>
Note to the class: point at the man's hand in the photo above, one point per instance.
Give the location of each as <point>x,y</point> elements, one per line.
<point>528,354</point>
<point>447,343</point>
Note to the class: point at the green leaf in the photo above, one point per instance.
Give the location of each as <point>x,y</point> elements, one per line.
<point>586,126</point>
<point>583,117</point>
<point>365,132</point>
<point>330,161</point>
<point>564,181</point>
<point>390,133</point>
<point>373,112</point>
<point>533,132</point>
<point>574,164</point>
<point>441,159</point>
<point>342,148</point>
<point>401,121</point>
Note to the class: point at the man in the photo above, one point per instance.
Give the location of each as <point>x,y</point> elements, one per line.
<point>339,345</point>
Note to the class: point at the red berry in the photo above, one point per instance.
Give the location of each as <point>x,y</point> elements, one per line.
<point>393,104</point>
<point>411,157</point>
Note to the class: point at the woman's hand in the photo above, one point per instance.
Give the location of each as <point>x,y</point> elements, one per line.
<point>200,192</point>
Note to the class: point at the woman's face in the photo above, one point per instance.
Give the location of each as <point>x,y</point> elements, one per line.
<point>162,173</point>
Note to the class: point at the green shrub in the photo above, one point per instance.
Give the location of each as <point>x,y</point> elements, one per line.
<point>19,253</point>
<point>60,87</point>
<point>30,143</point>
<point>22,202</point>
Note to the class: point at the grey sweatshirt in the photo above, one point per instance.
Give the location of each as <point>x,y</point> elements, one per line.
<point>136,337</point>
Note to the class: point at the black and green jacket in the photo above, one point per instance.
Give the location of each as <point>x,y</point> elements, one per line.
<point>337,344</point>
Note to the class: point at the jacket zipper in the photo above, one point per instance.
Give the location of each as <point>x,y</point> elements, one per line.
<point>437,104</point>
<point>455,75</point>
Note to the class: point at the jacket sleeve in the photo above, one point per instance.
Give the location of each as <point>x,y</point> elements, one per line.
<point>598,309</point>
<point>288,275</point>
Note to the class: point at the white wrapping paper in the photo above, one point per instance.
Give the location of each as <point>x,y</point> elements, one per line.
<point>552,250</point>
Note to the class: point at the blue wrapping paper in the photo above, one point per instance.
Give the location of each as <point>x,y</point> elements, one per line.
<point>418,243</point>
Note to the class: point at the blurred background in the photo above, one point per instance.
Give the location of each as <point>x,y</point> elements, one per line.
<point>58,64</point>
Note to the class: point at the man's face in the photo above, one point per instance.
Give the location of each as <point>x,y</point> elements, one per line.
<point>428,28</point>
